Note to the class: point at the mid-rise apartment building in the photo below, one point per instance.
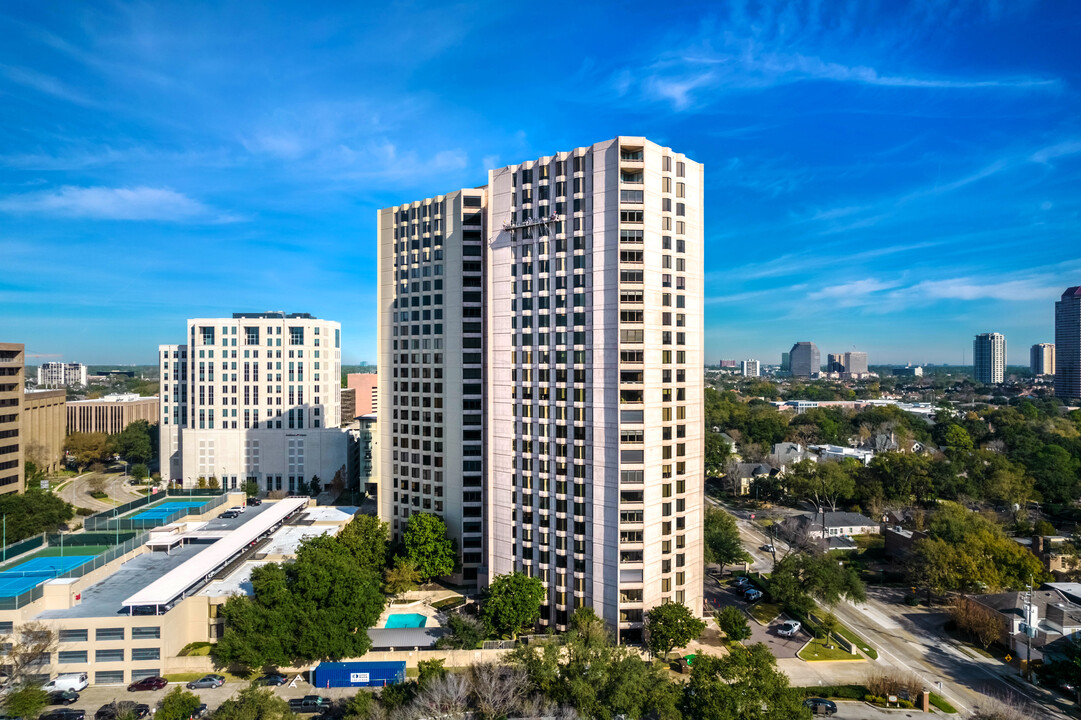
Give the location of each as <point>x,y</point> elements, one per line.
<point>989,358</point>
<point>12,379</point>
<point>253,397</point>
<point>430,392</point>
<point>61,375</point>
<point>1042,359</point>
<point>749,368</point>
<point>1068,344</point>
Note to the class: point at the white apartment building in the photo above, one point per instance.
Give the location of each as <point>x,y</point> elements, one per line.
<point>595,379</point>
<point>749,368</point>
<point>989,357</point>
<point>253,397</point>
<point>430,392</point>
<point>58,374</point>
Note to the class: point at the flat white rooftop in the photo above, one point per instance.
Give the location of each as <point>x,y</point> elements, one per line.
<point>200,567</point>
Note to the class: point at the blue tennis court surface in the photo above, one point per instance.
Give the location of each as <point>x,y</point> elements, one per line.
<point>17,580</point>
<point>167,508</point>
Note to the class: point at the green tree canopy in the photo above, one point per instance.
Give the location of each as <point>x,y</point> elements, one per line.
<point>512,602</point>
<point>671,625</point>
<point>428,547</point>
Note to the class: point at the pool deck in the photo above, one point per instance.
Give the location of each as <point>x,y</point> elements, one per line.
<point>413,608</point>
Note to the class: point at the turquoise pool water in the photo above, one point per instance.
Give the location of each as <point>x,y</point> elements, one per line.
<point>406,620</point>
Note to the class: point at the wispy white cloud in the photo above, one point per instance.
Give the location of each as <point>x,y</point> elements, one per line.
<point>106,203</point>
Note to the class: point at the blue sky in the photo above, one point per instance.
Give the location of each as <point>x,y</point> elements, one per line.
<point>893,177</point>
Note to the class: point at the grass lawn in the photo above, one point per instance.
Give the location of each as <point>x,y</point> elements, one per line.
<point>816,650</point>
<point>764,612</point>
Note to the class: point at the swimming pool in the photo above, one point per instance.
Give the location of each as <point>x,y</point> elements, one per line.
<point>406,620</point>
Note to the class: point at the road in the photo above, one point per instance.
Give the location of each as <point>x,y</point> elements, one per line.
<point>910,640</point>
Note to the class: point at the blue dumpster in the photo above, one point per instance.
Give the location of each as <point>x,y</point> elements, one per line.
<point>358,674</point>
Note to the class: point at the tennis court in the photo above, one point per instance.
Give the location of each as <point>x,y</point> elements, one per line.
<point>159,512</point>
<point>35,571</point>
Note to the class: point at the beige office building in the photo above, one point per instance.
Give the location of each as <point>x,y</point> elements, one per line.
<point>45,424</point>
<point>12,379</point>
<point>110,414</point>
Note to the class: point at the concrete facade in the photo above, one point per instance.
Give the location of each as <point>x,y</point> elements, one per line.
<point>110,414</point>
<point>989,358</point>
<point>253,397</point>
<point>595,387</point>
<point>1068,344</point>
<point>12,381</point>
<point>45,425</point>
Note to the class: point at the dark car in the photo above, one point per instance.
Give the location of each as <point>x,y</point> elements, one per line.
<point>272,679</point>
<point>148,683</point>
<point>115,710</point>
<point>63,697</point>
<point>64,714</point>
<point>820,706</point>
<point>207,681</point>
<point>309,704</point>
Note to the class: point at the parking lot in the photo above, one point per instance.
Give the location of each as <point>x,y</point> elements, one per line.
<point>721,593</point>
<point>95,696</point>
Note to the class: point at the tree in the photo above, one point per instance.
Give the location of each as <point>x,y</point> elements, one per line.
<point>744,685</point>
<point>86,448</point>
<point>401,578</point>
<point>733,623</point>
<point>25,702</point>
<point>513,601</point>
<point>177,704</point>
<point>671,625</point>
<point>254,703</point>
<point>139,471</point>
<point>428,547</point>
<point>722,541</point>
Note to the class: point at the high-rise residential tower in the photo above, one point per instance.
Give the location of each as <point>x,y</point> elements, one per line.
<point>595,386</point>
<point>1068,344</point>
<point>253,397</point>
<point>1042,358</point>
<point>989,357</point>
<point>430,396</point>
<point>804,359</point>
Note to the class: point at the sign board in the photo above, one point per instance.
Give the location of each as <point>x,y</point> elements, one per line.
<point>358,677</point>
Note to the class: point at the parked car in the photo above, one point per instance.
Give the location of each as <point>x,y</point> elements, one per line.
<point>820,706</point>
<point>207,681</point>
<point>116,710</point>
<point>272,679</point>
<point>309,704</point>
<point>230,514</point>
<point>68,681</point>
<point>148,683</point>
<point>752,595</point>
<point>766,548</point>
<point>63,697</point>
<point>64,714</point>
<point>789,628</point>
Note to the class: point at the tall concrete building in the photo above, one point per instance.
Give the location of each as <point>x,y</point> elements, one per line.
<point>1068,344</point>
<point>804,359</point>
<point>989,357</point>
<point>61,375</point>
<point>749,368</point>
<point>430,395</point>
<point>1041,358</point>
<point>556,424</point>
<point>253,397</point>
<point>12,380</point>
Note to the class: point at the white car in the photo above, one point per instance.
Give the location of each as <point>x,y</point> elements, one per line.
<point>789,628</point>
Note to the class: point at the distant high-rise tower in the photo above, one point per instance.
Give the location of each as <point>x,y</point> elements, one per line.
<point>989,358</point>
<point>1042,359</point>
<point>804,359</point>
<point>749,368</point>
<point>1068,344</point>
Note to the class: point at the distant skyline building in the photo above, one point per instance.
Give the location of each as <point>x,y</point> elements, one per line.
<point>253,397</point>
<point>804,359</point>
<point>1068,344</point>
<point>1042,359</point>
<point>749,368</point>
<point>989,358</point>
<point>61,375</point>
